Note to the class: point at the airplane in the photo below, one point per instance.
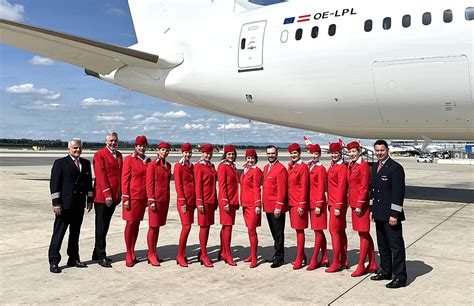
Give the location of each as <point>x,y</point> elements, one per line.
<point>322,146</point>
<point>365,69</point>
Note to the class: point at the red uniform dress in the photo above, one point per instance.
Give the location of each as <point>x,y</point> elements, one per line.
<point>205,176</point>
<point>158,177</point>
<point>185,190</point>
<point>228,179</point>
<point>108,174</point>
<point>358,178</point>
<point>317,197</point>
<point>337,195</point>
<point>298,193</point>
<point>275,182</point>
<point>134,186</point>
<point>250,196</point>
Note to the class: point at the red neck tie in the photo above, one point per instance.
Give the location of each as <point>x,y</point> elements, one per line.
<point>380,166</point>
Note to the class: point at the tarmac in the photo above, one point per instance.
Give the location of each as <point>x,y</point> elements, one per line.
<point>439,239</point>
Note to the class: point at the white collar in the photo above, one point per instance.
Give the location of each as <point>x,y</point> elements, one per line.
<point>182,161</point>
<point>312,163</point>
<point>339,162</point>
<point>73,159</point>
<point>359,160</point>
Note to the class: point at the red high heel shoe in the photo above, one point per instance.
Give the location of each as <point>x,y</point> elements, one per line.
<point>230,261</point>
<point>153,261</point>
<point>324,262</point>
<point>372,268</point>
<point>359,271</point>
<point>248,259</point>
<point>334,268</point>
<point>206,262</point>
<point>182,262</point>
<point>253,264</point>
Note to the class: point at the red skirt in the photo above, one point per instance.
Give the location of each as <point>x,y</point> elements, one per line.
<point>362,223</point>
<point>319,222</point>
<point>136,212</point>
<point>188,217</point>
<point>251,218</point>
<point>337,223</point>
<point>227,218</point>
<point>158,217</point>
<point>298,222</point>
<point>207,218</point>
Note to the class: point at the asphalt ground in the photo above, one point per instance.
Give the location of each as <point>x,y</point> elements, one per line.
<point>438,232</point>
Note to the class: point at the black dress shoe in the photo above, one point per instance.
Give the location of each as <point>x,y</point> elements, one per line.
<point>380,276</point>
<point>54,268</point>
<point>77,264</point>
<point>96,258</point>
<point>396,283</point>
<point>276,264</point>
<point>103,262</point>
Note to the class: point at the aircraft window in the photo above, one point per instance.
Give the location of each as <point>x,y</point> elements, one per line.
<point>387,23</point>
<point>314,32</point>
<point>242,44</point>
<point>284,36</point>
<point>406,21</point>
<point>469,14</point>
<point>299,34</point>
<point>368,25</point>
<point>448,16</point>
<point>332,30</point>
<point>426,18</point>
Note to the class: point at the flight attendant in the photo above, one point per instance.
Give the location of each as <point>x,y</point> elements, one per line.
<point>134,195</point>
<point>358,179</point>
<point>158,177</point>
<point>318,211</point>
<point>228,200</point>
<point>298,196</point>
<point>186,199</point>
<point>337,202</point>
<point>251,200</point>
<point>205,176</point>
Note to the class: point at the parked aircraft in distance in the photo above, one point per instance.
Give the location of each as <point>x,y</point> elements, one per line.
<point>362,69</point>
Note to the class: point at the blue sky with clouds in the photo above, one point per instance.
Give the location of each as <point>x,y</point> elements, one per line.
<point>45,99</point>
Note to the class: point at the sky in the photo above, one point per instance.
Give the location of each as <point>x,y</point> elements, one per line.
<point>45,99</point>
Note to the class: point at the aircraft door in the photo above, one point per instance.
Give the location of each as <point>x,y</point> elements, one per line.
<point>250,56</point>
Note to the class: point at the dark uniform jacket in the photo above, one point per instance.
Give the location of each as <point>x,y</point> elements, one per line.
<point>388,191</point>
<point>69,187</point>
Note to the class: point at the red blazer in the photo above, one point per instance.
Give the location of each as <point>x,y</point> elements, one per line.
<point>134,178</point>
<point>228,179</point>
<point>108,173</point>
<point>184,184</point>
<point>317,185</point>
<point>205,176</point>
<point>275,186</point>
<point>298,184</point>
<point>250,182</point>
<point>158,177</point>
<point>358,178</point>
<point>337,185</point>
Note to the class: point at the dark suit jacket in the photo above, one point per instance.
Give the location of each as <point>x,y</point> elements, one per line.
<point>69,187</point>
<point>388,191</point>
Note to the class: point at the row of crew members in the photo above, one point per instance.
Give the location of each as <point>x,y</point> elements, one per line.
<point>147,182</point>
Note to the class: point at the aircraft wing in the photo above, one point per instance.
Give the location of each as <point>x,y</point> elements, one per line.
<point>89,54</point>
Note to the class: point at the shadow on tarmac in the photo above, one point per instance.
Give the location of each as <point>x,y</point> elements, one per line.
<point>440,194</point>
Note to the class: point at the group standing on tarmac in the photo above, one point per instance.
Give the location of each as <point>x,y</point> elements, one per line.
<point>300,188</point>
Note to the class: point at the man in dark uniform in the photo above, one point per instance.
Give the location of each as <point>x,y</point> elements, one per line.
<point>71,185</point>
<point>388,192</point>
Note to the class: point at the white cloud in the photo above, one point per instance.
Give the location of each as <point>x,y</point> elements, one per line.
<point>107,118</point>
<point>138,117</point>
<point>10,11</point>
<point>99,102</point>
<point>41,105</point>
<point>151,120</point>
<point>31,89</point>
<point>235,126</point>
<point>116,11</point>
<point>38,60</point>
<point>195,126</point>
<point>171,115</point>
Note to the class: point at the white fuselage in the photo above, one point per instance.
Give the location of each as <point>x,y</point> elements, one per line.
<point>403,82</point>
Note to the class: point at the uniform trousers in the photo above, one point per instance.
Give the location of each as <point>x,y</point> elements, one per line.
<point>277,228</point>
<point>71,218</point>
<point>103,215</point>
<point>391,249</point>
